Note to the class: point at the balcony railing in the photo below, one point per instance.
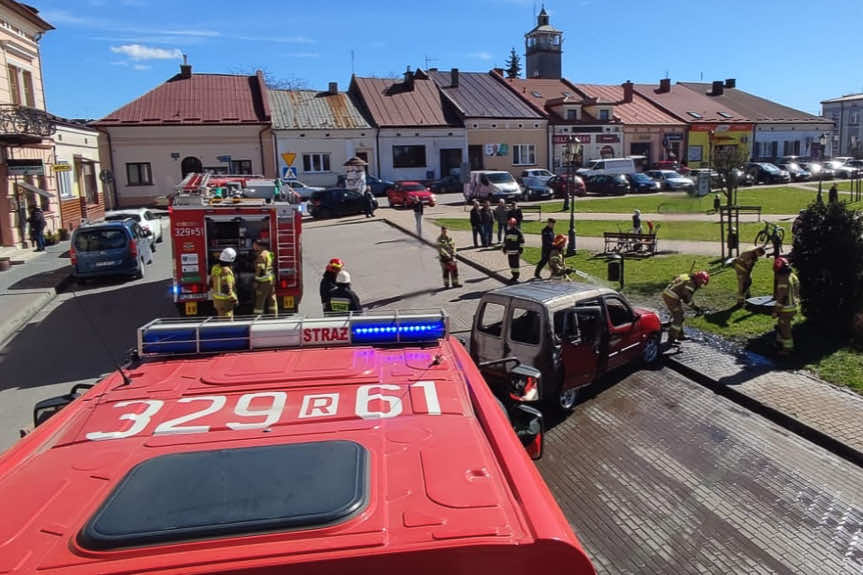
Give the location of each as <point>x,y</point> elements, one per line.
<point>23,123</point>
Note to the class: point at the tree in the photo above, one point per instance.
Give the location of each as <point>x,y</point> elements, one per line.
<point>513,65</point>
<point>726,159</point>
<point>828,255</point>
<point>273,82</point>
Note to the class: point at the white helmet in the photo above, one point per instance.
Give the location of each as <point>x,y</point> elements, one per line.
<point>228,255</point>
<point>637,212</point>
<point>343,277</point>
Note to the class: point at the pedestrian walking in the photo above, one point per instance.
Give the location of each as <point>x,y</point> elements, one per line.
<point>369,200</point>
<point>223,284</point>
<point>475,224</point>
<point>37,227</point>
<point>743,265</point>
<point>787,295</point>
<point>680,291</point>
<point>265,290</point>
<point>636,222</point>
<point>515,212</point>
<point>446,254</point>
<point>833,195</point>
<point>556,261</point>
<point>512,247</point>
<point>418,215</point>
<point>328,281</point>
<point>547,244</point>
<point>500,216</point>
<point>486,219</point>
<point>343,299</point>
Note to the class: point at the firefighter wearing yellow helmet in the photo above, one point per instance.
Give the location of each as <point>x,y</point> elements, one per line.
<point>787,297</point>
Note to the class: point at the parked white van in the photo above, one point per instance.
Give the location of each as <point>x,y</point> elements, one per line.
<point>608,166</point>
<point>491,185</point>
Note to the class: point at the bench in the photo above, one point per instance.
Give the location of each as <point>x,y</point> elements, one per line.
<point>630,243</point>
<point>741,210</point>
<point>536,209</point>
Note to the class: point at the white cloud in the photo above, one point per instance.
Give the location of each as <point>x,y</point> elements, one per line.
<point>141,66</point>
<point>119,63</point>
<point>303,55</point>
<point>138,52</point>
<point>480,55</point>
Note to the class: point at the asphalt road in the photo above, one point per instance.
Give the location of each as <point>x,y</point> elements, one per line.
<point>655,473</point>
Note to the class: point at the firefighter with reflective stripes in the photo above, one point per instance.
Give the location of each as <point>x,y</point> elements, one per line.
<point>743,265</point>
<point>680,291</point>
<point>787,297</point>
<point>512,247</point>
<point>556,261</point>
<point>223,284</point>
<point>265,290</point>
<point>446,255</point>
<point>343,299</point>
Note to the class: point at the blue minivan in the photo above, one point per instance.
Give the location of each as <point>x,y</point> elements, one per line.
<point>110,248</point>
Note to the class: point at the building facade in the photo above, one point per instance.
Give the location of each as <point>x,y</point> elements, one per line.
<point>77,170</point>
<point>318,132</point>
<point>417,137</point>
<point>503,132</point>
<point>26,178</point>
<point>846,115</point>
<point>180,127</point>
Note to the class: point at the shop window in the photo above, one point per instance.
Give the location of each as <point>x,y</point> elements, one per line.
<point>409,156</point>
<point>64,181</point>
<point>245,166</point>
<point>139,174</point>
<point>524,327</point>
<point>524,155</point>
<point>316,163</point>
<point>491,318</point>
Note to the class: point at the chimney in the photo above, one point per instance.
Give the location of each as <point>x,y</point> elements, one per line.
<point>664,85</point>
<point>334,88</point>
<point>717,88</point>
<point>185,68</point>
<point>627,91</point>
<point>409,79</point>
<point>453,78</point>
<point>498,71</point>
<point>730,83</point>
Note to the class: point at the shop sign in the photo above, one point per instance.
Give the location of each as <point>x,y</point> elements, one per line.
<point>25,167</point>
<point>62,168</point>
<point>607,138</point>
<point>673,137</point>
<point>580,138</point>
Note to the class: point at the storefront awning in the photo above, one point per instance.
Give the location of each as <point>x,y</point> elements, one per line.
<point>35,190</point>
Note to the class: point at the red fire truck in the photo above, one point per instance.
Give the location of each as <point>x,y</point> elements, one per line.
<point>209,213</point>
<point>351,445</point>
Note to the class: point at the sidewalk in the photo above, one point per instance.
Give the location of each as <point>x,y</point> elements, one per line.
<point>823,413</point>
<point>27,287</point>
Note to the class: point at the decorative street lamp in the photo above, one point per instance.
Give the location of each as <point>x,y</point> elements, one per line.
<point>822,141</point>
<point>570,152</point>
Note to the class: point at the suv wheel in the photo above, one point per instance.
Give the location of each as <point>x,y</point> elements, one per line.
<point>567,398</point>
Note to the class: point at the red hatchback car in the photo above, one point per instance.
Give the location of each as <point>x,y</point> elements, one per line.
<point>559,185</point>
<point>405,194</point>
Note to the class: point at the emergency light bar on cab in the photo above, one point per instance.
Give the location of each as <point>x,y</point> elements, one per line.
<point>209,213</point>
<point>355,445</point>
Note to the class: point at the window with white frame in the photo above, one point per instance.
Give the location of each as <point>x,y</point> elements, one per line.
<point>64,180</point>
<point>316,163</point>
<point>854,117</point>
<point>523,155</point>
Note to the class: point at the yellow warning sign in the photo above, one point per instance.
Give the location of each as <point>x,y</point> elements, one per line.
<point>289,158</point>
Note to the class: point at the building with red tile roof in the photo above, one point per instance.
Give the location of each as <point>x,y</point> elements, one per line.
<point>420,136</point>
<point>191,123</point>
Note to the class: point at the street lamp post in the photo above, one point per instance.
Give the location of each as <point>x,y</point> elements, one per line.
<point>822,140</point>
<point>570,151</point>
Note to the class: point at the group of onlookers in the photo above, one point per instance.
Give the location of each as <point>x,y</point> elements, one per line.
<point>483,217</point>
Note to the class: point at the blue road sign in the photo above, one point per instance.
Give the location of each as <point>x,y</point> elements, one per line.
<point>289,172</point>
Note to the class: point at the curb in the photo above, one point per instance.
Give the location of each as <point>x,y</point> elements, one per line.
<point>780,418</point>
<point>12,325</point>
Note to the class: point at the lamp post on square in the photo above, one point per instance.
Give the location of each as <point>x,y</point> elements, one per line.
<point>571,151</point>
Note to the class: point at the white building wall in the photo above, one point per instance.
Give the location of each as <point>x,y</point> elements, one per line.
<point>806,134</point>
<point>165,147</point>
<point>339,144</point>
<point>434,140</point>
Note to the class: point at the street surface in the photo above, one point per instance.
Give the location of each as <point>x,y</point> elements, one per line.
<point>655,473</point>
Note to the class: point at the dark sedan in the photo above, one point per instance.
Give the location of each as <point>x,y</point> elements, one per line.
<point>641,182</point>
<point>767,173</point>
<point>336,202</point>
<point>607,184</point>
<point>379,187</point>
<point>559,185</point>
<point>447,185</point>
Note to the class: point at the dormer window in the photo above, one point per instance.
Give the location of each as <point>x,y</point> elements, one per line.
<point>604,115</point>
<point>572,114</point>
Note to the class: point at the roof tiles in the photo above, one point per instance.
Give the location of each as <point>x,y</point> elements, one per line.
<point>689,105</point>
<point>479,95</point>
<point>538,91</point>
<point>394,103</point>
<point>313,110</point>
<point>639,111</point>
<point>754,108</point>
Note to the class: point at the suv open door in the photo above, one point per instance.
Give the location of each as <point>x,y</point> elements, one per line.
<point>580,335</point>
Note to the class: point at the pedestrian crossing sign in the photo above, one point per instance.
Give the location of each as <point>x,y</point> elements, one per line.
<point>289,173</point>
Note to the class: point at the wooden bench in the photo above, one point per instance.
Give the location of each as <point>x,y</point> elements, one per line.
<point>630,243</point>
<point>536,209</point>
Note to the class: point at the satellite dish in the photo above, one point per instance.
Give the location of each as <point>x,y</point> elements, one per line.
<point>106,176</point>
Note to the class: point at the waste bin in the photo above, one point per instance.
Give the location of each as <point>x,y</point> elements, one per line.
<point>615,268</point>
<point>733,239</point>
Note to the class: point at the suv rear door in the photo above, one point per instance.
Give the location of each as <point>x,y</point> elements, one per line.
<point>525,334</point>
<point>487,335</point>
<point>579,331</point>
<point>101,247</point>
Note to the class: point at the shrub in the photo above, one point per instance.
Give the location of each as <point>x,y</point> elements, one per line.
<point>828,255</point>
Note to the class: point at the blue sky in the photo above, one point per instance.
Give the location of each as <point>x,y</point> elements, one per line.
<point>104,53</point>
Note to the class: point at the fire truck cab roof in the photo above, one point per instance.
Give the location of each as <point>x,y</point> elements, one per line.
<point>352,444</point>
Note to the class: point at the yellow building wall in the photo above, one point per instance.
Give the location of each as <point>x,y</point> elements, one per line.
<point>700,143</point>
<point>494,138</point>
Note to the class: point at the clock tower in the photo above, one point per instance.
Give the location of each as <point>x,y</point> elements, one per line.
<point>543,48</point>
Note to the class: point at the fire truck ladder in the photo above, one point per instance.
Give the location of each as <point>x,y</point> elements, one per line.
<point>286,242</point>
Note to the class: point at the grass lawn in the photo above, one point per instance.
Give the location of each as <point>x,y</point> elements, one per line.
<point>783,200</point>
<point>701,231</point>
<point>841,185</point>
<point>645,279</point>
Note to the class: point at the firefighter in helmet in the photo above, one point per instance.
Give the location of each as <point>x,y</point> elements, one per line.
<point>680,291</point>
<point>265,292</point>
<point>328,281</point>
<point>555,259</point>
<point>743,265</point>
<point>343,298</point>
<point>446,254</point>
<point>787,296</point>
<point>512,247</point>
<point>223,284</point>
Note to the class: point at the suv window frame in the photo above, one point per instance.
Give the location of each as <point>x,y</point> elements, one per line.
<point>513,309</point>
<point>608,314</point>
<point>480,326</point>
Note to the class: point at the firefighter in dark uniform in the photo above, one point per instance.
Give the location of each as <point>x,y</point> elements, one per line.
<point>556,261</point>
<point>223,284</point>
<point>547,241</point>
<point>512,247</point>
<point>680,291</point>
<point>743,265</point>
<point>328,280</point>
<point>446,254</point>
<point>787,296</point>
<point>265,289</point>
<point>343,299</point>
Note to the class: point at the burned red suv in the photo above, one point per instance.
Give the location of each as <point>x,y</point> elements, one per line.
<point>559,185</point>
<point>406,194</point>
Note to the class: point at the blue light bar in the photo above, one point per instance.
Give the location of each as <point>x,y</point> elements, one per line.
<point>384,332</point>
